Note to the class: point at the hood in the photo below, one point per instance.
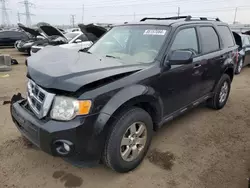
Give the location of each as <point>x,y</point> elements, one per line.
<point>31,31</point>
<point>91,29</point>
<point>50,30</point>
<point>72,69</point>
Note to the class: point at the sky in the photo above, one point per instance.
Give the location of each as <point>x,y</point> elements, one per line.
<point>57,12</point>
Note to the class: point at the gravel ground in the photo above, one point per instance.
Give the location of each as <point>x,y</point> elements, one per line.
<point>204,148</point>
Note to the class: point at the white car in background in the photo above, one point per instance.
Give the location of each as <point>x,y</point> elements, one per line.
<point>78,40</point>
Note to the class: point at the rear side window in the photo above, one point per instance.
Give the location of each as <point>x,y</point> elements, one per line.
<point>209,40</point>
<point>226,36</point>
<point>246,41</point>
<point>186,39</point>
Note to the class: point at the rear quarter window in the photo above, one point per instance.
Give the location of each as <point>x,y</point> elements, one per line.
<point>226,36</point>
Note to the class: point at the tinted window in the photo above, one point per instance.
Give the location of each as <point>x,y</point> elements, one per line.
<point>186,39</point>
<point>226,36</point>
<point>210,40</point>
<point>2,34</point>
<point>15,35</point>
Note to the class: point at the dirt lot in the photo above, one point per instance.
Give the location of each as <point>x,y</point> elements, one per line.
<point>202,149</point>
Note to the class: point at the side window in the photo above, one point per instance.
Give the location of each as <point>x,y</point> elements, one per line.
<point>209,40</point>
<point>186,39</point>
<point>246,41</point>
<point>226,36</point>
<point>17,35</point>
<point>2,34</point>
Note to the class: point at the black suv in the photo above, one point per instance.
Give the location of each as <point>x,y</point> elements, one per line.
<point>104,103</point>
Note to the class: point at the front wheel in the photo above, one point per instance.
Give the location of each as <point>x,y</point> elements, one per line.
<point>128,141</point>
<point>221,93</point>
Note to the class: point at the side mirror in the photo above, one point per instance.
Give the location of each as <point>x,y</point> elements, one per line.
<point>78,41</point>
<point>180,57</point>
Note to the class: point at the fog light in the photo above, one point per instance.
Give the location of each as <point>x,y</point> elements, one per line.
<point>63,147</point>
<point>66,147</point>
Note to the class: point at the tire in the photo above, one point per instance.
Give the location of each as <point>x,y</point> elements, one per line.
<point>239,66</point>
<point>215,102</point>
<point>112,155</point>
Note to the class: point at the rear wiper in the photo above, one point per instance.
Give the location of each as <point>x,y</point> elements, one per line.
<point>112,57</point>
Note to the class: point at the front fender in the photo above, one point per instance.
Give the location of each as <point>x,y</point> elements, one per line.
<point>128,96</point>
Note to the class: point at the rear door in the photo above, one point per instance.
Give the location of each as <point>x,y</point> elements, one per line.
<point>211,59</point>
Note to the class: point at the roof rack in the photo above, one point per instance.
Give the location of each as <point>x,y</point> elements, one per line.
<point>187,18</point>
<point>167,18</point>
<point>190,18</point>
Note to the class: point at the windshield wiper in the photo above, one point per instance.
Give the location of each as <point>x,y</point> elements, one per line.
<point>112,57</point>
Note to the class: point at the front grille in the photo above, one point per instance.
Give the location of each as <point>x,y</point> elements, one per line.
<point>39,100</point>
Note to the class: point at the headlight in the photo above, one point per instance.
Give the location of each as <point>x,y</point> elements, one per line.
<point>66,108</point>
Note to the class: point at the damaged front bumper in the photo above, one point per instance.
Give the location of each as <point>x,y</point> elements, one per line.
<point>73,139</point>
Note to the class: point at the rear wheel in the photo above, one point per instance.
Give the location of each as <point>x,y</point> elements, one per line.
<point>221,93</point>
<point>128,141</point>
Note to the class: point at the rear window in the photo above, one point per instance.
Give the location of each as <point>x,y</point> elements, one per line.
<point>226,36</point>
<point>209,39</point>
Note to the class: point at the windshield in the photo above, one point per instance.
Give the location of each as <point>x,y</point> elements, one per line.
<point>70,36</point>
<point>133,44</point>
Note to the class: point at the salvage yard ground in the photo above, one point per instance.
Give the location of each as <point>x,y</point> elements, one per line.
<point>202,149</point>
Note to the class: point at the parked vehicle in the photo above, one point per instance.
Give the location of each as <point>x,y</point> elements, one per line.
<point>74,29</point>
<point>76,40</point>
<point>243,42</point>
<point>105,102</point>
<point>34,35</point>
<point>8,38</point>
<point>56,40</point>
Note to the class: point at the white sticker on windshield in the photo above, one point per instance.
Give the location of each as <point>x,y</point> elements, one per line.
<point>154,32</point>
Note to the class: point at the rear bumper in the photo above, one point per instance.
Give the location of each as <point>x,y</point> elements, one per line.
<point>45,134</point>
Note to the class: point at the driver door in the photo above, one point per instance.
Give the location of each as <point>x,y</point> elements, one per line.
<point>180,85</point>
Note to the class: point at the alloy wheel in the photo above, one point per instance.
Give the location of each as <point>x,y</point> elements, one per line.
<point>133,141</point>
<point>224,92</point>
